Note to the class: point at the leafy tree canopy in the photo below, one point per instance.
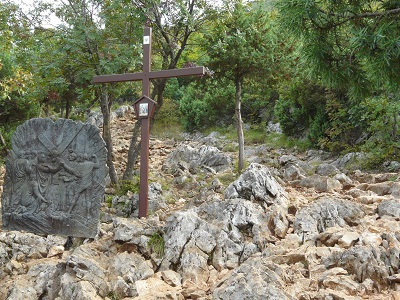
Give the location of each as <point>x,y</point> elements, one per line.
<point>347,44</point>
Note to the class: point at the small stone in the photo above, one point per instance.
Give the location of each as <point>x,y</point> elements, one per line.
<point>371,239</point>
<point>55,250</point>
<point>172,278</point>
<point>348,239</point>
<point>394,278</point>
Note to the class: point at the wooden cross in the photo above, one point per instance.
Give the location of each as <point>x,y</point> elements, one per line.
<point>145,77</point>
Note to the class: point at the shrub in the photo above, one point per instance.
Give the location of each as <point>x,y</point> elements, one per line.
<point>208,105</point>
<point>156,244</point>
<point>126,186</point>
<point>298,106</point>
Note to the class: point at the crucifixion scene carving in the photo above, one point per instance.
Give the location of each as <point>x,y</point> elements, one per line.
<point>55,178</point>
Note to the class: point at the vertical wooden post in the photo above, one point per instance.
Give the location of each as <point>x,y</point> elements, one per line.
<point>145,134</point>
<point>144,168</point>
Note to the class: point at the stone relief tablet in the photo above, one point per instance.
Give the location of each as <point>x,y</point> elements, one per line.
<point>55,178</point>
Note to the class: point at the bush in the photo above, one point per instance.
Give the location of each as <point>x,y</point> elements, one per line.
<point>167,121</point>
<point>298,106</point>
<point>156,244</point>
<point>381,116</point>
<point>126,186</point>
<point>209,104</point>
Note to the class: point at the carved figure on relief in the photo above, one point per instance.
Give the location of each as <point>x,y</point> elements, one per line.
<point>55,178</point>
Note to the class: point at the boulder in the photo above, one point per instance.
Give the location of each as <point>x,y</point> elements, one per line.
<point>325,169</point>
<point>171,277</point>
<point>221,233</point>
<point>348,239</point>
<point>25,246</point>
<point>71,288</point>
<point>130,266</point>
<point>255,279</point>
<point>364,177</point>
<point>273,127</point>
<point>96,117</point>
<point>293,172</point>
<point>321,183</point>
<point>86,270</point>
<point>317,156</point>
<point>257,184</point>
<point>381,189</point>
<point>339,282</point>
<point>155,288</point>
<point>285,159</point>
<point>47,274</point>
<point>324,213</point>
<point>206,157</point>
<point>371,239</point>
<point>363,262</point>
<point>346,182</point>
<point>128,205</point>
<point>389,208</point>
<point>392,166</point>
<point>134,232</point>
<point>20,292</point>
<point>213,139</point>
<point>350,161</point>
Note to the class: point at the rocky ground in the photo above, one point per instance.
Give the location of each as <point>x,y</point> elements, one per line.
<point>291,226</point>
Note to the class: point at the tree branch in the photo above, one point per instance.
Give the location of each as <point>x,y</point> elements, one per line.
<point>360,16</point>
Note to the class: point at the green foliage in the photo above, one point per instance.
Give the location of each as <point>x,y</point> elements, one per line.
<point>16,101</point>
<point>167,122</point>
<point>227,178</point>
<point>336,65</point>
<point>351,45</point>
<point>298,107</point>
<point>6,132</point>
<point>126,186</point>
<point>108,201</point>
<point>174,90</point>
<point>113,296</point>
<point>318,126</point>
<point>156,244</point>
<point>255,135</point>
<point>276,140</point>
<point>207,104</point>
<point>240,41</point>
<point>382,116</point>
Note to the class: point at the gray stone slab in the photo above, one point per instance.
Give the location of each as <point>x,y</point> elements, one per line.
<point>55,178</point>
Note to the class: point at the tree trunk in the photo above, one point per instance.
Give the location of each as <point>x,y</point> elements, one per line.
<point>394,131</point>
<point>159,89</point>
<point>2,141</point>
<point>134,147</point>
<point>46,107</point>
<point>105,105</point>
<point>67,108</point>
<point>239,124</point>
<point>133,152</point>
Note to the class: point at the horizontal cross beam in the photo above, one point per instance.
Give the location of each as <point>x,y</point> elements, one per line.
<point>150,75</point>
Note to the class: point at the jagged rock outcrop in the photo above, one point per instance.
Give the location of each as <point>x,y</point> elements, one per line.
<point>324,213</point>
<point>255,279</point>
<point>259,236</point>
<point>96,117</point>
<point>350,161</point>
<point>257,184</point>
<point>186,157</point>
<point>389,208</point>
<point>128,205</point>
